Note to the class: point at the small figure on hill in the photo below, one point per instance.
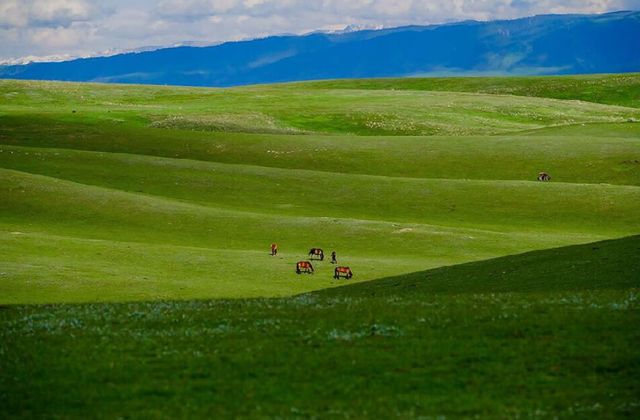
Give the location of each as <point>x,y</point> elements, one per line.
<point>274,249</point>
<point>544,177</point>
<point>333,258</point>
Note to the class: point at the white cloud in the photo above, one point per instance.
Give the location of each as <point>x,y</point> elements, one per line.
<point>60,38</point>
<point>12,14</point>
<point>30,13</point>
<point>81,27</point>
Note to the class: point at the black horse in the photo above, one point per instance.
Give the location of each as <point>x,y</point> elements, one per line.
<point>544,177</point>
<point>317,253</point>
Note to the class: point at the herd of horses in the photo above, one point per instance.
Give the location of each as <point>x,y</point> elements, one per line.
<point>318,254</point>
<point>343,271</point>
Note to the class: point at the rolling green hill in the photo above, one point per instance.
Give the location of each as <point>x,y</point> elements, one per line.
<point>129,192</point>
<point>136,280</point>
<point>408,347</point>
<point>614,89</point>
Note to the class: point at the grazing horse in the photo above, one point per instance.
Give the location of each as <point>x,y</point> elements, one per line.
<point>304,267</point>
<point>339,271</point>
<point>316,252</point>
<point>544,177</point>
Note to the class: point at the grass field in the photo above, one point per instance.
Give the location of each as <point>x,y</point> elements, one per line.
<point>168,197</point>
<point>566,346</point>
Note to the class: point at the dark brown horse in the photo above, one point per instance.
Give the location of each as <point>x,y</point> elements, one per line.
<point>316,252</point>
<point>342,271</point>
<point>544,177</point>
<point>304,267</point>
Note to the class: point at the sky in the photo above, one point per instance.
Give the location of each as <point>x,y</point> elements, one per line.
<point>60,29</point>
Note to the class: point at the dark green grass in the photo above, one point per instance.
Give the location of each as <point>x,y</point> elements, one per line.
<point>554,351</point>
<point>613,264</point>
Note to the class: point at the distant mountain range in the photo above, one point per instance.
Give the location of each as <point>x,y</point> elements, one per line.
<point>548,44</point>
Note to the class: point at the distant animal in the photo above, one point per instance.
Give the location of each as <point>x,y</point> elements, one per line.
<point>304,267</point>
<point>274,249</point>
<point>316,252</point>
<point>544,177</point>
<point>334,259</point>
<point>342,271</point>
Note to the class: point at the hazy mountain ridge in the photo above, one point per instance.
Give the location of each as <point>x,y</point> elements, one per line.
<point>549,44</point>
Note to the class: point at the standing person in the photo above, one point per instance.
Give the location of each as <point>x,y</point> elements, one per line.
<point>333,258</point>
<point>274,249</point>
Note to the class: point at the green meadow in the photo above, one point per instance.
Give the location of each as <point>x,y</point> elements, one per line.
<point>135,224</point>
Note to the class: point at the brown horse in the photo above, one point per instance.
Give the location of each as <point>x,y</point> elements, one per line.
<point>544,177</point>
<point>339,271</point>
<point>316,252</point>
<point>304,267</point>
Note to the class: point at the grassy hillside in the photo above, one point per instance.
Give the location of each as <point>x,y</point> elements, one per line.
<point>86,229</point>
<point>593,153</point>
<point>295,109</point>
<point>135,214</point>
<point>437,344</point>
<point>134,193</point>
<point>621,89</point>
